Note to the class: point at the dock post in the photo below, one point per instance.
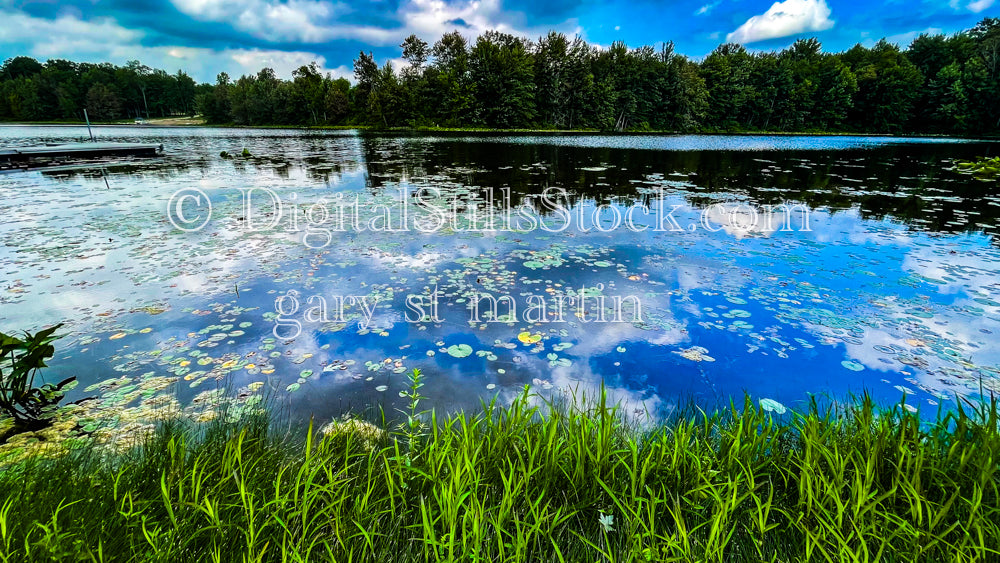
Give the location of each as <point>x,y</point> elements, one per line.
<point>88,124</point>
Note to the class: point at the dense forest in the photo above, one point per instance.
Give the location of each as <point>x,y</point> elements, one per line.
<point>939,84</point>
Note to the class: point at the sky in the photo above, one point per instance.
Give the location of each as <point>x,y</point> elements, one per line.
<point>204,37</point>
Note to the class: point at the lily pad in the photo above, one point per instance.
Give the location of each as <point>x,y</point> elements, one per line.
<point>459,350</point>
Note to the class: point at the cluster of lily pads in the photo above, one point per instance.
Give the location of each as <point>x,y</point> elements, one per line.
<point>121,412</point>
<point>983,168</point>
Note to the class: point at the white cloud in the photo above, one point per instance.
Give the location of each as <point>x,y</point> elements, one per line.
<point>105,40</point>
<point>975,6</point>
<point>704,10</point>
<point>782,19</point>
<point>303,21</point>
<point>432,18</point>
<point>64,35</point>
<point>308,21</point>
<point>318,21</point>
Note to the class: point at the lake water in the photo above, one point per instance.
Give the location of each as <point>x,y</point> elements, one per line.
<point>883,276</point>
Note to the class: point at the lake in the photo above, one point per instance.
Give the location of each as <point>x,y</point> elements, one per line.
<point>670,268</point>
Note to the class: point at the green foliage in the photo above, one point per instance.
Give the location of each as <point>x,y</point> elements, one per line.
<point>939,84</point>
<point>60,89</point>
<point>727,73</point>
<point>572,481</point>
<point>987,169</point>
<point>20,360</point>
<point>413,430</point>
<point>500,65</point>
<point>887,86</point>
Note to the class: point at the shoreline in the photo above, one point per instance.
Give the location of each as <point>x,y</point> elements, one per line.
<point>567,481</point>
<point>485,131</point>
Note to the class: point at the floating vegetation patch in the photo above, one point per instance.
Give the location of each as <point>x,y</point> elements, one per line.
<point>852,365</point>
<point>695,354</point>
<point>983,168</point>
<point>459,350</point>
<point>125,412</point>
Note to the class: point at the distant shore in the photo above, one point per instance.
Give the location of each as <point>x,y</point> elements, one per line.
<point>180,122</point>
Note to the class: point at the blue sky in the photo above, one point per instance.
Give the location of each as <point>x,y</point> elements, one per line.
<point>204,37</point>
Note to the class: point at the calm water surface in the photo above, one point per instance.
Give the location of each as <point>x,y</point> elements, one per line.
<point>892,288</point>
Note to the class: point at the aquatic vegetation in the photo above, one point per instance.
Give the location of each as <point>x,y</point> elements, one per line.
<point>415,427</point>
<point>355,429</point>
<point>983,168</point>
<point>125,412</point>
<point>528,339</point>
<point>459,350</point>
<point>560,481</point>
<point>695,354</point>
<point>29,407</point>
<point>556,361</point>
<point>852,365</point>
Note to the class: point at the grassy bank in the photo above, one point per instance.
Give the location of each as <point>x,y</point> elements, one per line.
<point>521,484</point>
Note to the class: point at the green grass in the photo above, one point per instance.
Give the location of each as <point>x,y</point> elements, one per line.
<point>526,483</point>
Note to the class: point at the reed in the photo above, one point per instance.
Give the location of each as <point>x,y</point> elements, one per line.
<point>529,481</point>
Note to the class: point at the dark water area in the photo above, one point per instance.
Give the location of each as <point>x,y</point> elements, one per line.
<point>707,268</point>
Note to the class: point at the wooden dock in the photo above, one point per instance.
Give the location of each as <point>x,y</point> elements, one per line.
<point>32,157</point>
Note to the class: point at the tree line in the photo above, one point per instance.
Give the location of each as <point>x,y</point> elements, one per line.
<point>61,90</point>
<point>947,84</point>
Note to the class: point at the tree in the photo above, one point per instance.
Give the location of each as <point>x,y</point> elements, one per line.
<point>836,89</point>
<point>551,72</point>
<point>948,102</point>
<point>375,87</point>
<point>887,87</point>
<point>985,74</point>
<point>22,99</point>
<point>415,52</point>
<point>214,104</point>
<point>453,86</point>
<point>19,67</point>
<point>184,88</point>
<point>726,72</point>
<point>501,67</point>
<point>931,54</point>
<point>782,90</point>
<point>942,84</point>
<point>336,101</point>
<point>615,73</point>
<point>103,103</point>
<point>686,93</point>
<point>415,93</point>
<point>308,93</point>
